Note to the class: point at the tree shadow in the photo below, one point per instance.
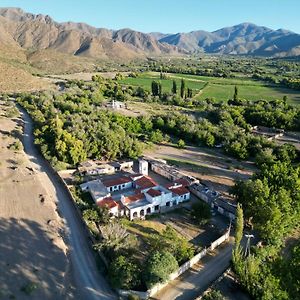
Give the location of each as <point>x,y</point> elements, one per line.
<point>30,262</point>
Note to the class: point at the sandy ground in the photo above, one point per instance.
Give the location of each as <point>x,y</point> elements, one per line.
<point>32,251</point>
<point>86,75</point>
<point>212,167</point>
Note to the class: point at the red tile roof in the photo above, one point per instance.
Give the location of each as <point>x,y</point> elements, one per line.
<point>116,181</point>
<point>145,182</point>
<point>108,202</point>
<point>169,185</point>
<point>180,191</point>
<point>183,182</point>
<point>154,193</point>
<point>133,198</point>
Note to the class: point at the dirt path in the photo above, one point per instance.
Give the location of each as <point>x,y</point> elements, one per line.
<point>33,256</point>
<point>88,279</point>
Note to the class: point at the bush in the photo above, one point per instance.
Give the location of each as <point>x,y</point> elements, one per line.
<point>181,144</point>
<point>124,273</point>
<point>201,212</point>
<point>29,288</point>
<point>16,146</point>
<point>159,266</point>
<point>213,295</point>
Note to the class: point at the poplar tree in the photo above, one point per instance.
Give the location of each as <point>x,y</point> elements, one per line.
<point>236,93</point>
<point>174,87</point>
<point>182,88</point>
<point>239,226</point>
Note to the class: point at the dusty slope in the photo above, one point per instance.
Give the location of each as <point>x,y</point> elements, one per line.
<point>39,32</point>
<point>32,249</point>
<point>15,79</point>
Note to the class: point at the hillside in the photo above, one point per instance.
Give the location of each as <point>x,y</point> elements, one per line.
<point>242,39</point>
<point>40,32</point>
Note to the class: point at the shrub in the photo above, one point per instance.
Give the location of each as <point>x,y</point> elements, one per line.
<point>159,266</point>
<point>16,146</point>
<point>181,144</point>
<point>201,212</point>
<point>124,273</point>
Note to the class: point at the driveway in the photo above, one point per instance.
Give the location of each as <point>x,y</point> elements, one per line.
<point>89,282</point>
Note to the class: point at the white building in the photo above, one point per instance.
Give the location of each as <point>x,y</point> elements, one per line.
<point>118,184</point>
<point>97,190</point>
<point>143,167</point>
<point>136,196</point>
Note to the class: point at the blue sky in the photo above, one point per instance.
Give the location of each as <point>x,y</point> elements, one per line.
<point>169,16</point>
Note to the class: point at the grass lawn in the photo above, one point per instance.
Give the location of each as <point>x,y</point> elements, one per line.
<point>143,228</point>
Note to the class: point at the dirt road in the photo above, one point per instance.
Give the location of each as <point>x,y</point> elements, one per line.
<point>88,280</point>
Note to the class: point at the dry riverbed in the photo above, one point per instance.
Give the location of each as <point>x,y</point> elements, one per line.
<point>33,256</point>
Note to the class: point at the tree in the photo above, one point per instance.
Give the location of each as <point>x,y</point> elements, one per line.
<point>200,212</point>
<point>174,87</point>
<point>156,136</point>
<point>189,93</point>
<point>236,94</point>
<point>115,237</point>
<point>182,88</point>
<point>124,273</point>
<point>159,90</point>
<point>155,88</point>
<point>213,295</point>
<point>169,240</point>
<point>181,144</point>
<point>159,266</point>
<point>239,226</point>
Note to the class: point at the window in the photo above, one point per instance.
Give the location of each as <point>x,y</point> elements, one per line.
<point>123,185</point>
<point>156,208</point>
<point>168,203</point>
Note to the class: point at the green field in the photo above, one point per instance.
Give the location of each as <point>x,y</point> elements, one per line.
<point>249,92</point>
<point>146,79</point>
<point>220,89</point>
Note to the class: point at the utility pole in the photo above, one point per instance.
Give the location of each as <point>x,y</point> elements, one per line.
<point>249,237</point>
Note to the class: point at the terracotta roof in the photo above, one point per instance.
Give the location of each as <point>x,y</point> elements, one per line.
<point>133,198</point>
<point>169,185</point>
<point>154,193</point>
<point>183,182</point>
<point>108,202</point>
<point>116,181</point>
<point>145,182</point>
<point>180,191</point>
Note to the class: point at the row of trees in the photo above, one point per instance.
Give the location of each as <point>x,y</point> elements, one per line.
<point>156,89</point>
<point>236,141</point>
<point>271,204</point>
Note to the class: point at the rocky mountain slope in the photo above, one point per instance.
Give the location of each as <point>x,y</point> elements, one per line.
<point>40,32</point>
<point>242,39</point>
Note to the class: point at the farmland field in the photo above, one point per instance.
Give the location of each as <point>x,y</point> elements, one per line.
<point>146,79</point>
<point>250,92</point>
<point>221,89</point>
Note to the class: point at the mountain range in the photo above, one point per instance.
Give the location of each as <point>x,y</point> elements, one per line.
<point>35,33</point>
